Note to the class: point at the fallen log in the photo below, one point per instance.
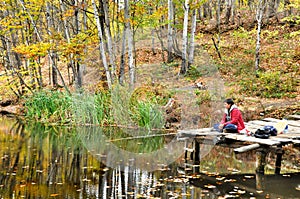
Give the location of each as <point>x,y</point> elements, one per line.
<point>246,148</point>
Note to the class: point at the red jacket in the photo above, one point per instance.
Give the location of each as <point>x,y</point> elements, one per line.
<point>235,118</point>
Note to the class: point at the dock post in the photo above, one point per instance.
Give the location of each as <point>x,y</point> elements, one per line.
<point>279,153</point>
<point>261,155</point>
<point>197,157</point>
<point>197,153</point>
<point>260,181</point>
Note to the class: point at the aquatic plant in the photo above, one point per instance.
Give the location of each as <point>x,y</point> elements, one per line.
<point>48,106</point>
<point>147,114</point>
<point>102,108</point>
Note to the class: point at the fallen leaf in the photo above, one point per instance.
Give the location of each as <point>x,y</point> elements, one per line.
<point>210,186</point>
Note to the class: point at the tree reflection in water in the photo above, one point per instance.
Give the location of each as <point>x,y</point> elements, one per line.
<point>61,162</point>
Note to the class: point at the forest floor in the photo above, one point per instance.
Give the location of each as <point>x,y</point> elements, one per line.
<point>279,52</point>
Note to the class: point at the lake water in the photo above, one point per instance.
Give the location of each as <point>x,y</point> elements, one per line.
<point>40,161</point>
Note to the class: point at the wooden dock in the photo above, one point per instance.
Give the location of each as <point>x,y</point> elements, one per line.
<point>243,143</point>
<point>291,137</point>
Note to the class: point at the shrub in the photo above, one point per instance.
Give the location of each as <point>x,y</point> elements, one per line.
<point>271,84</point>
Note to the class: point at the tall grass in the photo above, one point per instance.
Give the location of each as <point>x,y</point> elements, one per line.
<point>84,109</point>
<point>48,106</point>
<point>60,107</point>
<point>148,115</point>
<point>103,108</point>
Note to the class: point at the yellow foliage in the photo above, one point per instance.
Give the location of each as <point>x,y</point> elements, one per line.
<point>33,50</point>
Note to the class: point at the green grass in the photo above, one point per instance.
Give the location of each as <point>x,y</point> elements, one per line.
<point>48,106</point>
<point>106,108</point>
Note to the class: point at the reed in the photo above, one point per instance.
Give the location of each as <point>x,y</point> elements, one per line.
<point>105,108</point>
<point>48,106</point>
<point>147,114</point>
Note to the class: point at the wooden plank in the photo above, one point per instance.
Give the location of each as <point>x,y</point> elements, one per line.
<point>295,136</point>
<point>258,124</point>
<point>262,123</point>
<point>296,141</point>
<point>294,117</point>
<point>290,122</point>
<point>280,139</point>
<point>246,148</point>
<point>141,137</point>
<point>198,132</point>
<point>246,138</point>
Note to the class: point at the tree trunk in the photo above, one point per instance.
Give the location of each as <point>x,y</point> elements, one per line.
<point>233,11</point>
<point>50,25</point>
<point>153,42</point>
<point>112,58</point>
<point>67,36</point>
<point>228,11</point>
<point>259,16</point>
<point>130,44</point>
<point>122,59</point>
<point>218,20</point>
<point>101,45</point>
<point>192,39</point>
<point>170,30</point>
<point>185,38</point>
<point>288,8</point>
<point>79,72</point>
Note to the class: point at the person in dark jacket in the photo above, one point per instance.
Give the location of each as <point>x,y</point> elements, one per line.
<point>232,120</point>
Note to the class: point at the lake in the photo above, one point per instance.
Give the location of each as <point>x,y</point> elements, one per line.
<point>39,161</point>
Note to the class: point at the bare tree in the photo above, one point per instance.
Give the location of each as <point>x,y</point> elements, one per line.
<point>186,7</point>
<point>101,45</point>
<point>170,30</point>
<point>259,16</point>
<point>130,43</point>
<point>192,38</point>
<point>110,46</point>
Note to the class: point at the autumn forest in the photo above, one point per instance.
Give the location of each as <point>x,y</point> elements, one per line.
<point>47,47</point>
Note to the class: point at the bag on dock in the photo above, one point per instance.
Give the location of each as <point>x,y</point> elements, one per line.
<point>265,132</point>
<point>271,129</point>
<point>261,133</point>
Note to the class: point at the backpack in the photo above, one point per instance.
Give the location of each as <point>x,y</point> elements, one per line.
<point>271,130</point>
<point>265,132</point>
<point>261,133</point>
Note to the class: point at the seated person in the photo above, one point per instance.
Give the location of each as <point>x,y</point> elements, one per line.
<point>232,121</point>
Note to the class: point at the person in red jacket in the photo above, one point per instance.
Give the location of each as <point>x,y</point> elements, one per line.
<point>232,120</point>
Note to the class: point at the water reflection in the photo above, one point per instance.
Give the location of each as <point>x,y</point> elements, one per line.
<point>40,161</point>
<point>148,152</point>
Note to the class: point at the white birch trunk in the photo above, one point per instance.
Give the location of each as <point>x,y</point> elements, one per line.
<point>122,61</point>
<point>68,38</point>
<point>192,38</point>
<point>79,72</point>
<point>153,41</point>
<point>170,30</point>
<point>101,45</point>
<point>51,25</point>
<point>185,37</point>
<point>233,11</point>
<point>259,16</point>
<point>112,59</point>
<point>218,20</point>
<point>130,44</point>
